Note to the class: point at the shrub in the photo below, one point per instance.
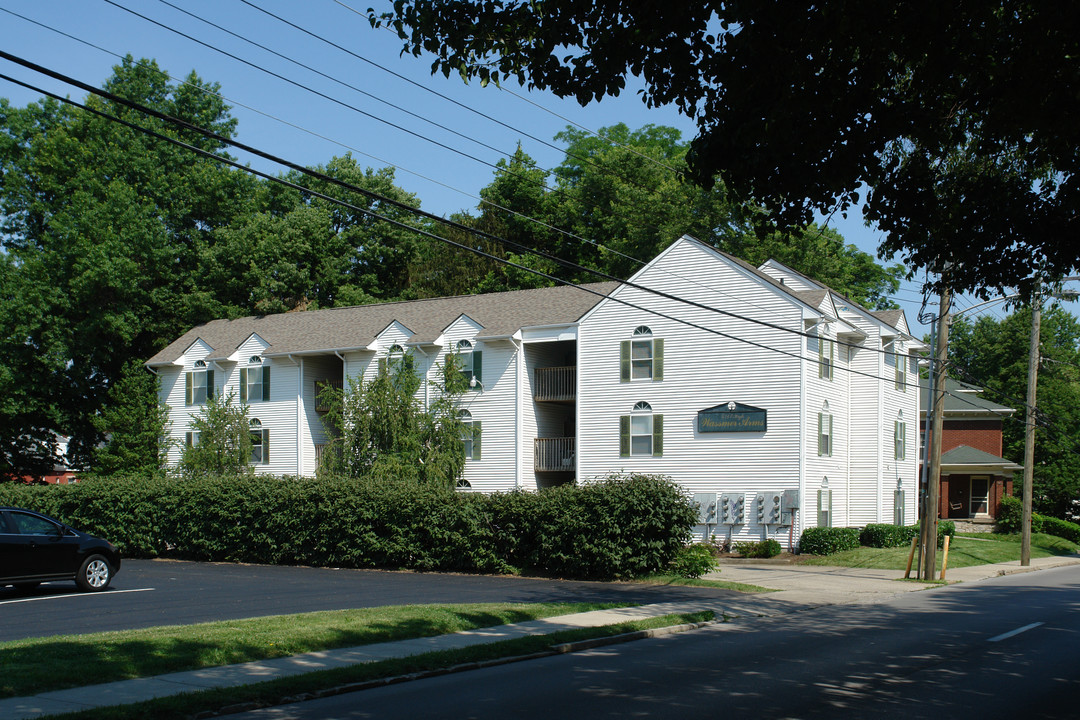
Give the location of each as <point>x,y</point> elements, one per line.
<point>1061,528</point>
<point>764,549</point>
<point>693,561</point>
<point>618,527</point>
<point>1010,519</point>
<point>887,536</point>
<point>828,540</point>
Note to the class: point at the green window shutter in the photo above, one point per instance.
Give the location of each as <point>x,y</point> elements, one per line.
<point>657,435</point>
<point>478,365</point>
<point>476,440</point>
<point>624,436</point>
<point>820,437</point>
<point>266,384</point>
<point>188,438</point>
<point>243,385</point>
<point>266,446</point>
<point>187,401</point>
<point>658,359</point>
<point>382,366</point>
<point>821,357</point>
<point>209,384</point>
<point>624,361</point>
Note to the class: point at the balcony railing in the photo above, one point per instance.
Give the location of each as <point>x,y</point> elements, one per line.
<point>555,384</point>
<point>554,454</point>
<point>320,385</point>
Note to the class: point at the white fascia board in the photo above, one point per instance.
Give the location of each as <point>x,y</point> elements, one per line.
<point>548,333</point>
<point>322,351</point>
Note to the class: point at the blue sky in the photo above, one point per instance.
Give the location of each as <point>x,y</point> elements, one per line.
<point>444,180</point>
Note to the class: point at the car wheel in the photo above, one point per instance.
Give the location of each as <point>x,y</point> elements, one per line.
<point>95,574</point>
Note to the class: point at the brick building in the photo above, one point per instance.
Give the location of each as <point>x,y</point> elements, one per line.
<point>974,476</point>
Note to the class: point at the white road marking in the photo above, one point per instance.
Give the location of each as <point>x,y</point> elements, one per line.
<point>73,595</point>
<point>1011,633</point>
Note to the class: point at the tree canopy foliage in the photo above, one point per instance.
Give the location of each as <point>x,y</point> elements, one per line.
<point>114,243</point>
<point>958,117</point>
<point>993,354</point>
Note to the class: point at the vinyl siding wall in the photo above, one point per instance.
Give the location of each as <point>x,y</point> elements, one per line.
<point>700,370</point>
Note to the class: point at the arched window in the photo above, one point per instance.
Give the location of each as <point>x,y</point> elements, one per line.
<point>255,381</point>
<point>464,351</point>
<point>200,384</point>
<point>824,501</point>
<point>825,431</point>
<point>395,355</point>
<point>260,442</point>
<point>641,432</point>
<point>642,357</point>
<point>900,437</point>
<point>470,435</point>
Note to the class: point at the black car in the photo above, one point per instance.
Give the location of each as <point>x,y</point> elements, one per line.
<point>35,548</point>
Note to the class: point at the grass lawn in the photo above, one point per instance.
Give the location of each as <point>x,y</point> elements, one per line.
<point>36,665</point>
<point>965,550</point>
<point>702,582</point>
<point>275,692</point>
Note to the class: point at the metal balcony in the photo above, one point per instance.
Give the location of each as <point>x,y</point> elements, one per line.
<point>555,384</point>
<point>554,454</point>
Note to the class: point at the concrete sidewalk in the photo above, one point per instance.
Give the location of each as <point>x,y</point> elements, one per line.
<point>816,585</point>
<point>800,587</point>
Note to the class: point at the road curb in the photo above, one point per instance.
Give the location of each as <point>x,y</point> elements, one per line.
<point>560,649</point>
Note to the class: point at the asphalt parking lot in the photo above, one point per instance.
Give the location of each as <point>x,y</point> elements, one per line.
<point>148,593</point>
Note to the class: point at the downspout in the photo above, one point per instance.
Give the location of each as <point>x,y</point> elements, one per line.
<point>804,380</point>
<point>519,452</point>
<point>299,414</point>
<point>878,435</point>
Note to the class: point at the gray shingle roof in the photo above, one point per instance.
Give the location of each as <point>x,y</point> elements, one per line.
<point>351,328</point>
<point>965,455</point>
<point>889,317</point>
<point>963,398</point>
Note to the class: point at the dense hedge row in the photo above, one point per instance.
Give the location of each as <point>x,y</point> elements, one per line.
<point>826,541</point>
<point>618,527</point>
<point>1011,516</point>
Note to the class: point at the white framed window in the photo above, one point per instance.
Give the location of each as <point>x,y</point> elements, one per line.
<point>255,381</point>
<point>470,435</point>
<point>394,357</point>
<point>200,384</point>
<point>900,438</point>
<point>260,442</point>
<point>191,438</point>
<point>825,431</point>
<point>469,362</point>
<point>824,500</point>
<point>641,357</point>
<point>826,358</point>
<point>641,432</point>
<point>896,361</point>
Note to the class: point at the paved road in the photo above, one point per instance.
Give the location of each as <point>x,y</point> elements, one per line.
<point>148,593</point>
<point>1000,648</point>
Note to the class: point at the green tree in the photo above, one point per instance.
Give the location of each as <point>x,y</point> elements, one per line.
<point>620,200</point>
<point>956,116</point>
<point>994,354</point>
<point>382,429</point>
<point>103,227</point>
<point>221,439</point>
<point>135,425</point>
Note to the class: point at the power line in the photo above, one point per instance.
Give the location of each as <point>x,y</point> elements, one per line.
<point>322,176</point>
<point>536,221</point>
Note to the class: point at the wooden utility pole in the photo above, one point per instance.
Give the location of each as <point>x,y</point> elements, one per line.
<point>1029,429</point>
<point>928,531</point>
